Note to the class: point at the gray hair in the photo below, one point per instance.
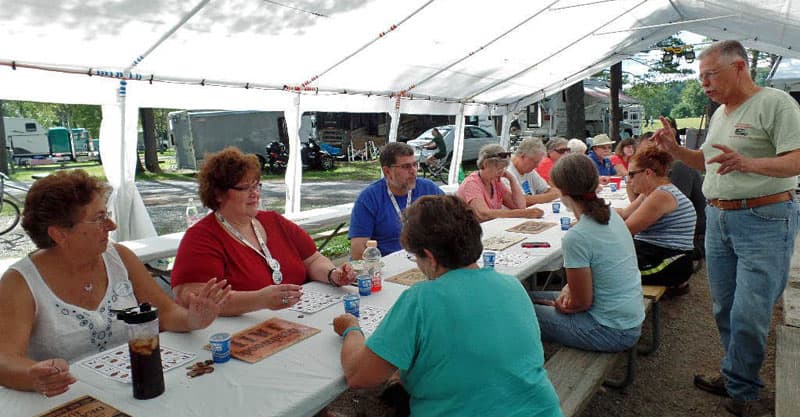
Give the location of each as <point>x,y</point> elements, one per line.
<point>555,142</point>
<point>488,152</point>
<point>576,146</point>
<point>732,50</point>
<point>392,150</point>
<point>530,147</point>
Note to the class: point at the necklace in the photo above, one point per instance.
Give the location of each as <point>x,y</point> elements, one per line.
<point>397,206</point>
<point>277,276</point>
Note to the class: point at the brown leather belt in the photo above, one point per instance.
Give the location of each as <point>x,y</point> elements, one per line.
<point>751,202</point>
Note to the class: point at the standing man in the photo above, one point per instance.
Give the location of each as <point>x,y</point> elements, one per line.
<point>523,163</point>
<point>377,212</point>
<point>751,157</point>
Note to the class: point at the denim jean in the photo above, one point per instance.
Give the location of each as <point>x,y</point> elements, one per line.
<point>748,254</point>
<point>580,330</point>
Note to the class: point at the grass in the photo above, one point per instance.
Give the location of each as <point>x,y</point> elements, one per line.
<point>689,122</point>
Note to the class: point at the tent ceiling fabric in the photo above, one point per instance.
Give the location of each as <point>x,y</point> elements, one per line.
<point>492,53</point>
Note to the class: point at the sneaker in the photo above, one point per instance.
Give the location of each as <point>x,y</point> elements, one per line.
<point>754,408</point>
<point>714,384</point>
<point>674,292</point>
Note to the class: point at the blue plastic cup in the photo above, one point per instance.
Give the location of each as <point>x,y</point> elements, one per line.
<point>613,186</point>
<point>220,347</point>
<point>364,285</point>
<point>352,304</point>
<point>556,207</point>
<point>565,221</point>
<point>488,259</point>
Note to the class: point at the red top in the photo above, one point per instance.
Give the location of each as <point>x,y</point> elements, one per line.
<point>207,251</point>
<point>544,167</point>
<point>616,160</point>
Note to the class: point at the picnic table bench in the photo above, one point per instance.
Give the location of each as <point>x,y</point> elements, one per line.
<point>787,356</point>
<point>577,374</point>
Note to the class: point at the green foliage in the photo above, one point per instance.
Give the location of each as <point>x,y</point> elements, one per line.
<point>692,102</point>
<point>657,98</point>
<point>55,114</point>
<point>338,246</point>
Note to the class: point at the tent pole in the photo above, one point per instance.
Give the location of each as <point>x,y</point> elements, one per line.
<point>458,147</point>
<point>294,170</point>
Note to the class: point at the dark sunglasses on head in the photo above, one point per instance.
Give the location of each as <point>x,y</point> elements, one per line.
<point>502,155</point>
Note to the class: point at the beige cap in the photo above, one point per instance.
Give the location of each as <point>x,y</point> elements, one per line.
<point>601,139</point>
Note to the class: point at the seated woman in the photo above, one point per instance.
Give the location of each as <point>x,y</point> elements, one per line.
<point>662,220</point>
<point>444,334</point>
<point>56,303</point>
<point>600,308</point>
<point>264,256</point>
<point>556,148</point>
<point>622,155</point>
<point>485,192</point>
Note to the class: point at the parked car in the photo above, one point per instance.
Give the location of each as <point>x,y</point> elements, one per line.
<point>474,138</point>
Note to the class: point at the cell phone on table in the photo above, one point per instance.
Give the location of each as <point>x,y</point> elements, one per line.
<point>529,245</point>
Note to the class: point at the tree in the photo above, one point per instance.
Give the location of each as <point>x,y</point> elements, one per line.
<point>616,111</point>
<point>576,114</point>
<point>692,101</point>
<point>150,142</point>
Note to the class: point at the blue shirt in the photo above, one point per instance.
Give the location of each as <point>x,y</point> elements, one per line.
<point>616,283</point>
<point>604,167</point>
<point>374,215</point>
<point>468,344</point>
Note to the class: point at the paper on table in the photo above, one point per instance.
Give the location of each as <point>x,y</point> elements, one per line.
<point>313,301</point>
<point>84,407</point>
<point>116,363</point>
<point>369,318</point>
<point>257,342</point>
<point>498,243</point>
<point>531,227</point>
<point>409,278</point>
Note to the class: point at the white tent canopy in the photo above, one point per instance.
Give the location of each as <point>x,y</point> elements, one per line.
<point>414,56</point>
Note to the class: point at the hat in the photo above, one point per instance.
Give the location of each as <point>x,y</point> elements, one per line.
<point>601,139</point>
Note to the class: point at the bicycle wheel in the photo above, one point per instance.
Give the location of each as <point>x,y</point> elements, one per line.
<point>9,216</point>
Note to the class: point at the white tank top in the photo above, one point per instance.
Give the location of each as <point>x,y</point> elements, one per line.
<point>63,330</point>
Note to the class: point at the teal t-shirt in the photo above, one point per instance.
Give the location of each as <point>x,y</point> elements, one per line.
<point>616,283</point>
<point>468,344</point>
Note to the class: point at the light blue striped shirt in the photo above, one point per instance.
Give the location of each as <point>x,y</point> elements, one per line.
<point>674,230</point>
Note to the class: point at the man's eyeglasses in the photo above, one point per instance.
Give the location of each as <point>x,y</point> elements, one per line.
<point>501,155</point>
<point>414,165</point>
<point>101,220</point>
<point>633,173</point>
<point>708,75</point>
<point>562,151</point>
<point>249,188</point>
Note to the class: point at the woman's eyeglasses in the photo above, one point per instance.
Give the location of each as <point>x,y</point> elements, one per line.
<point>101,220</point>
<point>633,173</point>
<point>561,150</point>
<point>249,188</point>
<point>501,155</point>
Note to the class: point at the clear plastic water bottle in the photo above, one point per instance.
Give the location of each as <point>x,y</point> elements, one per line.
<point>372,264</point>
<point>192,213</point>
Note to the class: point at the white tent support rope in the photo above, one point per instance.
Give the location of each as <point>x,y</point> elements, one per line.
<point>663,25</point>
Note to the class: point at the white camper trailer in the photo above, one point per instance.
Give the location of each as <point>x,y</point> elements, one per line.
<point>26,138</point>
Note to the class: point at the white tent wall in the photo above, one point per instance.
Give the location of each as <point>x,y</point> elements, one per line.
<point>484,59</point>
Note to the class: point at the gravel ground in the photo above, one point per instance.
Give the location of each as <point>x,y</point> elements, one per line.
<point>663,384</point>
